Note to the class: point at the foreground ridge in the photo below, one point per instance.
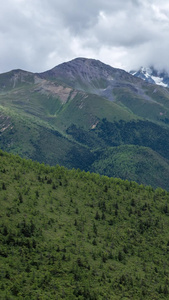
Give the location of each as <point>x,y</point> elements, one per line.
<point>69,234</point>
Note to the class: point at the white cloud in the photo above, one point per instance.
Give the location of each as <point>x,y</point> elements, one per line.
<point>36,35</point>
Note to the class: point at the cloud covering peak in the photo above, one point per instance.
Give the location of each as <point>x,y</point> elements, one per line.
<point>36,35</point>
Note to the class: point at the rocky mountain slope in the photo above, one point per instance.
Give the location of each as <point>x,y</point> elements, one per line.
<point>90,75</point>
<point>152,75</point>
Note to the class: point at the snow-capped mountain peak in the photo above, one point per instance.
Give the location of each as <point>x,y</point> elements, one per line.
<point>151,75</point>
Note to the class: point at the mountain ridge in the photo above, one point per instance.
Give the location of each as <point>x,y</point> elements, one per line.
<point>89,74</point>
<point>77,110</point>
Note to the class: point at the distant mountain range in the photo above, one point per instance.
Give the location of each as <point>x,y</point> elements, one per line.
<point>152,75</point>
<point>88,115</point>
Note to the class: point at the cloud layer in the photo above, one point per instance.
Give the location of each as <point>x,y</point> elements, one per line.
<point>36,35</point>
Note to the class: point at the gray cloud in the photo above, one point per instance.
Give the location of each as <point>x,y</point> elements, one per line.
<point>36,35</point>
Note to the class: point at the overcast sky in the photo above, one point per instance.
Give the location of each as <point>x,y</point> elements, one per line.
<point>36,35</point>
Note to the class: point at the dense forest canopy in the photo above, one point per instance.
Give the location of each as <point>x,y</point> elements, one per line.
<point>71,234</point>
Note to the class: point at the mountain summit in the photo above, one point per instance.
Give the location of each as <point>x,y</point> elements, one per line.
<point>86,70</point>
<point>151,75</point>
<point>90,75</point>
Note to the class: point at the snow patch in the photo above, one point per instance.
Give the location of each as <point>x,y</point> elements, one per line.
<point>151,75</point>
<point>159,81</point>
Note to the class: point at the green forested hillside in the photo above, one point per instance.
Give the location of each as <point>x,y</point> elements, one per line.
<point>134,150</point>
<point>135,163</point>
<point>67,234</point>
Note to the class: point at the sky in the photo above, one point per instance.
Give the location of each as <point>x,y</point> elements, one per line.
<point>36,35</point>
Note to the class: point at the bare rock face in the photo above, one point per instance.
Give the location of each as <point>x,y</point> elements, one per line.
<point>14,78</point>
<point>48,88</point>
<point>87,70</point>
<point>90,75</point>
<point>151,75</point>
<point>80,74</point>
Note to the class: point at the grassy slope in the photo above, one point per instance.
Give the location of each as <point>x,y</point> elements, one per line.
<point>155,109</point>
<point>83,109</point>
<point>36,139</point>
<point>74,235</point>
